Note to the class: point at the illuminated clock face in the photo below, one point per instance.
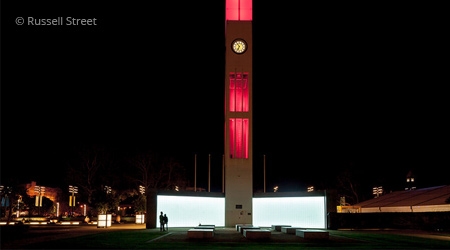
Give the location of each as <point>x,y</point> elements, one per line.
<point>239,46</point>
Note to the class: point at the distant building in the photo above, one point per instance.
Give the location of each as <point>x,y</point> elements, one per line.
<point>410,181</point>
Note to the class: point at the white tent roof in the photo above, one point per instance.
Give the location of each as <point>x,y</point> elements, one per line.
<point>432,199</point>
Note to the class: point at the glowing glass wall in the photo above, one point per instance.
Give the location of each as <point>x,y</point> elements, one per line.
<point>307,212</point>
<point>190,211</point>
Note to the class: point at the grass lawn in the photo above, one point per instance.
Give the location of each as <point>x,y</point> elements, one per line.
<point>144,239</point>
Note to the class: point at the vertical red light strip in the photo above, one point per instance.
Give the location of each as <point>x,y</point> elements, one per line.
<point>239,9</point>
<point>232,136</point>
<point>241,139</point>
<point>245,97</point>
<point>238,138</point>
<point>232,93</point>
<point>245,136</point>
<point>239,93</point>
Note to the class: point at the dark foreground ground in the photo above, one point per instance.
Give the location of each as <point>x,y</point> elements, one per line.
<point>132,236</point>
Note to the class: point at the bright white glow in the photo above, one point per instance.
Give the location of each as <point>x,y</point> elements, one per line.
<point>140,218</point>
<point>190,211</point>
<point>104,220</point>
<point>307,212</point>
<point>70,222</point>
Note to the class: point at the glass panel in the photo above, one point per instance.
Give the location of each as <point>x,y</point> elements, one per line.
<point>238,10</point>
<point>239,92</point>
<point>239,134</point>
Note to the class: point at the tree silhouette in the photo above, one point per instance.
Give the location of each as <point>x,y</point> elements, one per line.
<point>348,186</point>
<point>156,172</point>
<point>84,171</point>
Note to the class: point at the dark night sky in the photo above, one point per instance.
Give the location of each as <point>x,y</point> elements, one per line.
<point>335,87</point>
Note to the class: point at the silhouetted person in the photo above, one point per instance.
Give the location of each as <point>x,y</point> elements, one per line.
<point>166,221</point>
<point>161,222</point>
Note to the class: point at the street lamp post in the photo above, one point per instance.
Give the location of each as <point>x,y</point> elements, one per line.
<point>140,216</point>
<point>19,200</point>
<point>73,190</point>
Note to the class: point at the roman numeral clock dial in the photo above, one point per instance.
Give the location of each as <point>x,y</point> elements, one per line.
<point>239,46</point>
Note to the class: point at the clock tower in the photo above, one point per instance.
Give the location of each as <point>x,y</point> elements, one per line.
<point>238,159</point>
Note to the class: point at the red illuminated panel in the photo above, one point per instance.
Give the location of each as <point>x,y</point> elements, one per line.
<point>239,10</point>
<point>239,92</point>
<point>239,133</point>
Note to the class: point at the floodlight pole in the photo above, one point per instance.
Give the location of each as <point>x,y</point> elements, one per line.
<point>40,190</point>
<point>209,173</point>
<point>264,162</point>
<point>73,190</point>
<point>195,173</point>
<point>223,173</point>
